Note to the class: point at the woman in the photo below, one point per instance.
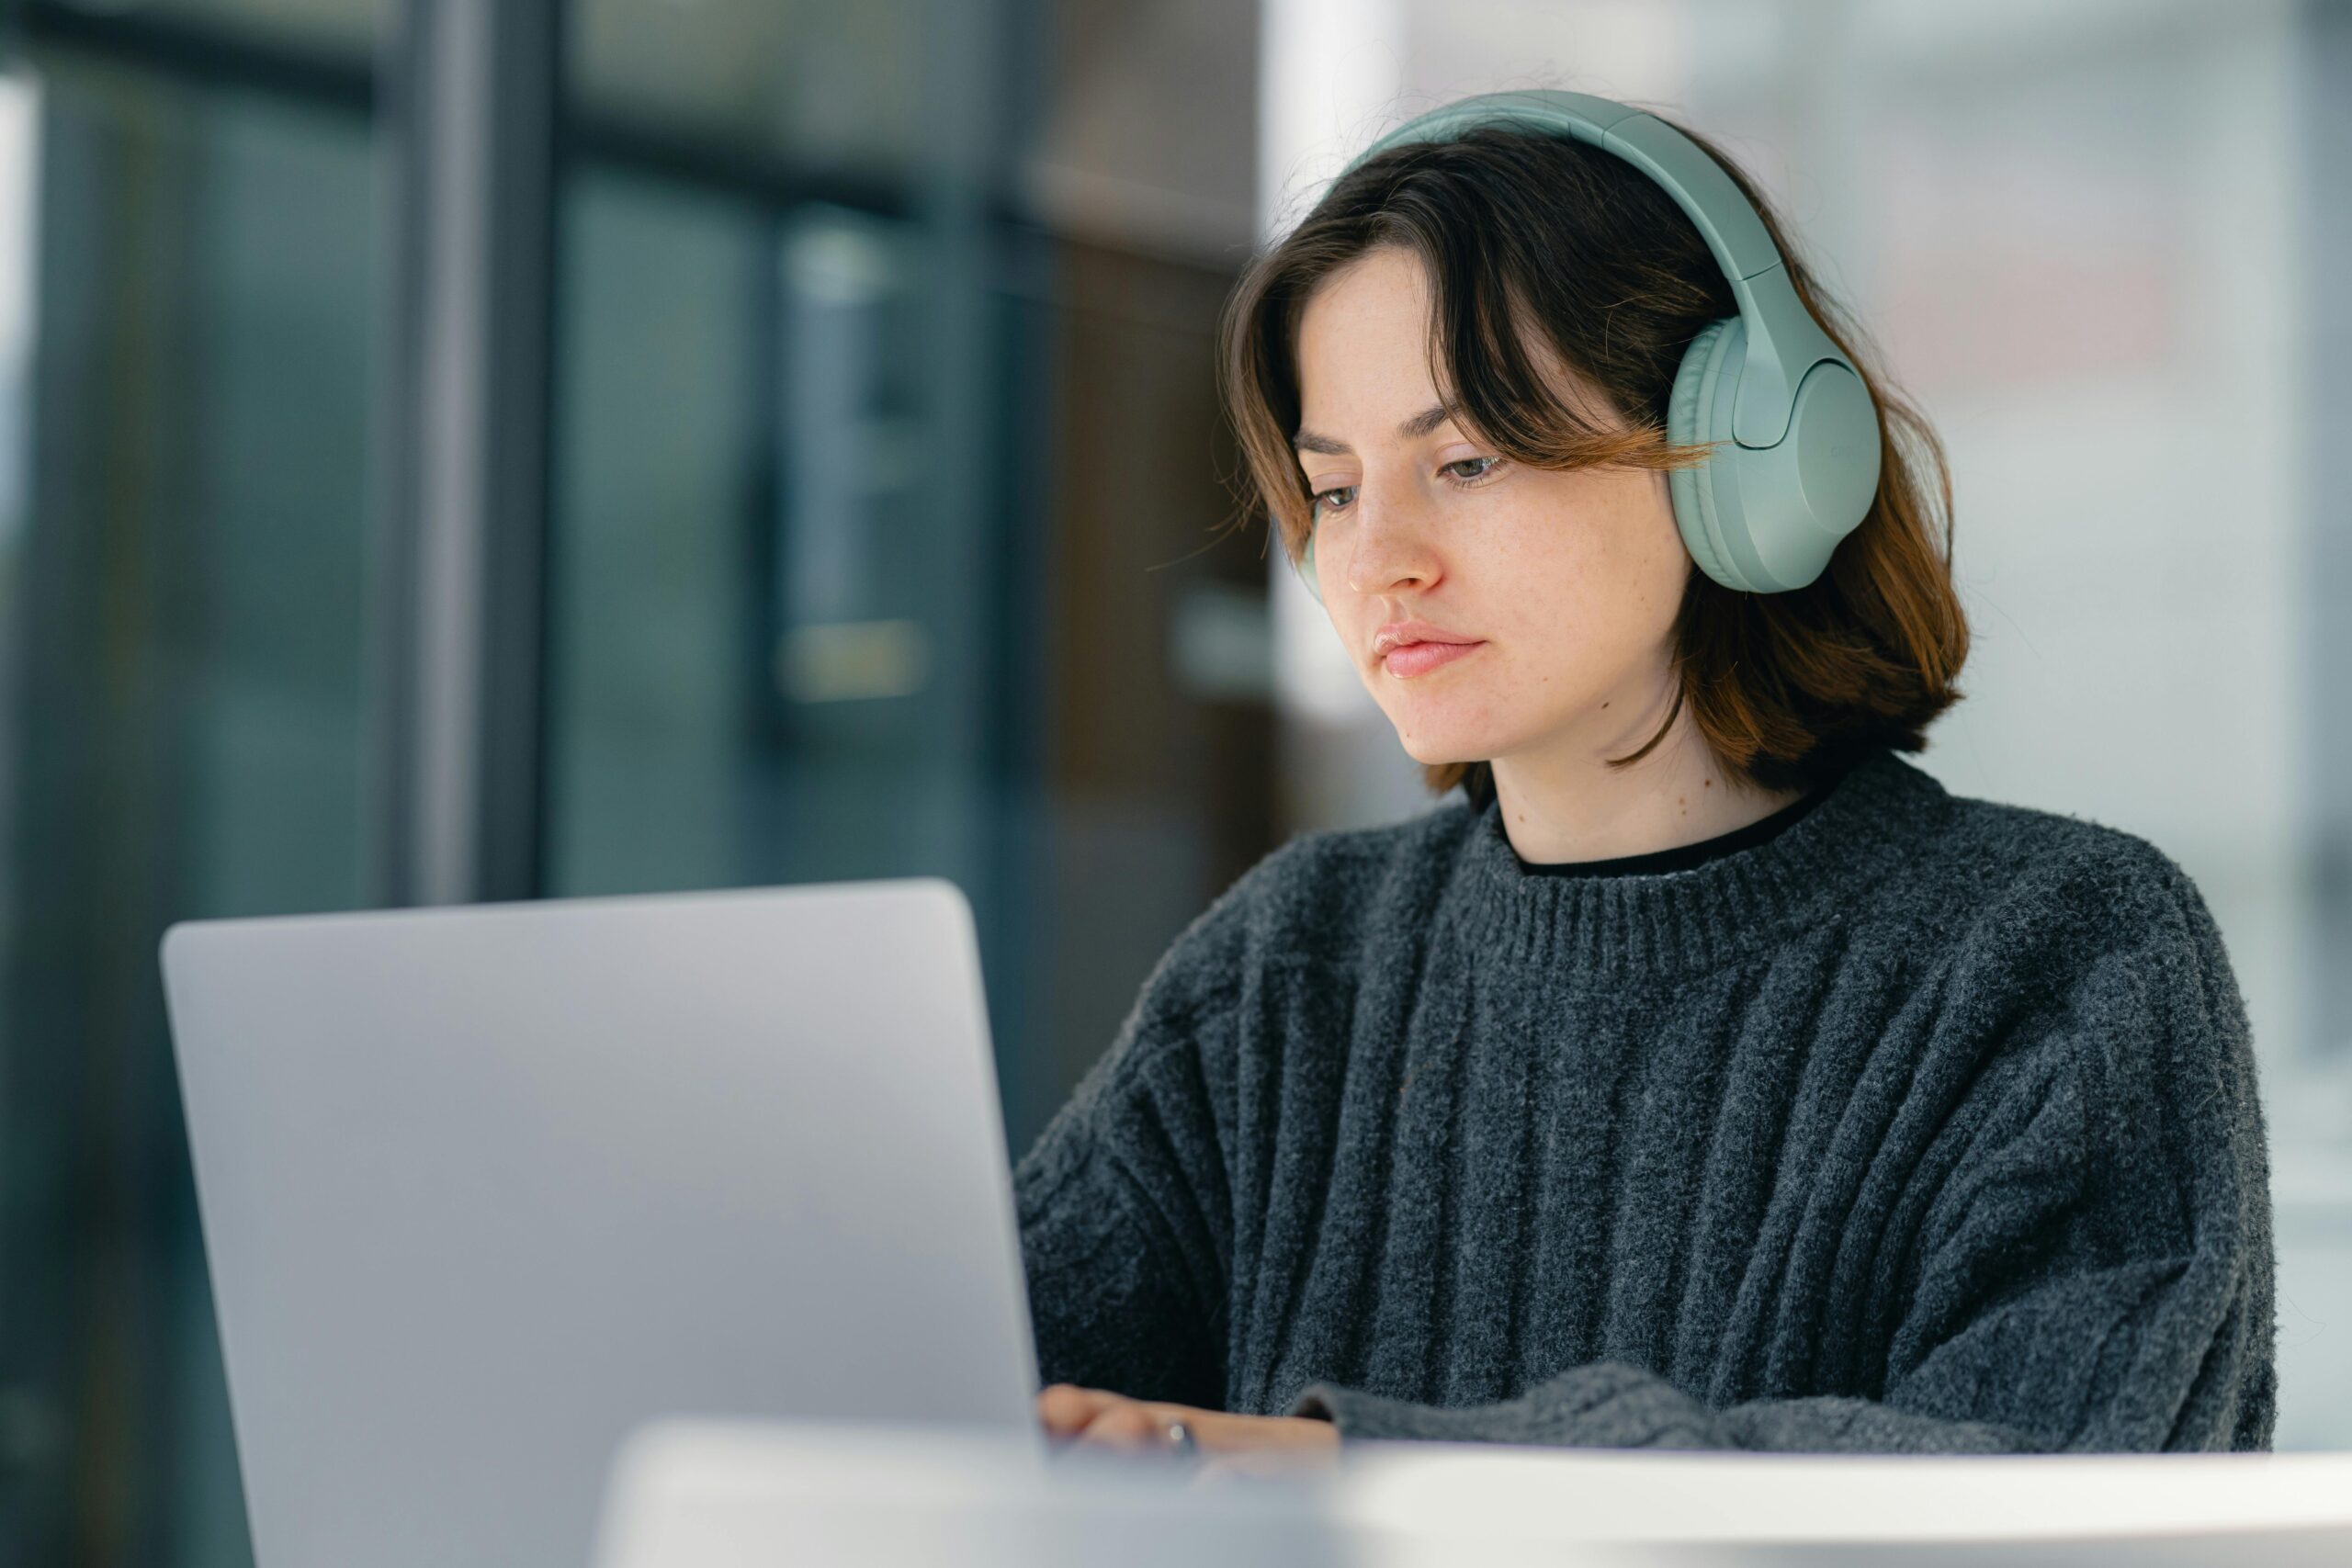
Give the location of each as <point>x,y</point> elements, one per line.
<point>1708,1076</point>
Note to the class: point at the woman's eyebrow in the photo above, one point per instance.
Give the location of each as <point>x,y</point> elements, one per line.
<point>1413,429</point>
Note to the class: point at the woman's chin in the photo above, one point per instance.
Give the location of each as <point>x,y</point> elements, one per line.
<point>1431,749</point>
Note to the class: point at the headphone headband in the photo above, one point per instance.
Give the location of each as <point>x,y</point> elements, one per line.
<point>1783,340</point>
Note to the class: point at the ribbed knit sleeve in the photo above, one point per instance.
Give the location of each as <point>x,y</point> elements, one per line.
<point>2080,1256</point>
<point>1122,1201</point>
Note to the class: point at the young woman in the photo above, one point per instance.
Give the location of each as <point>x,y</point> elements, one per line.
<point>1708,1076</point>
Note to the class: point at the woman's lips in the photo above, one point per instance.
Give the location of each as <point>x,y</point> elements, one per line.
<point>1408,660</point>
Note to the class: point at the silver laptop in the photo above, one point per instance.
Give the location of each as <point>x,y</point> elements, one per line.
<point>484,1187</point>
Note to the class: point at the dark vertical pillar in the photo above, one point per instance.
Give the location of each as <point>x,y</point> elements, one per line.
<point>473,97</point>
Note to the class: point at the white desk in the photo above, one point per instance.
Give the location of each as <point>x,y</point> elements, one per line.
<point>687,1495</point>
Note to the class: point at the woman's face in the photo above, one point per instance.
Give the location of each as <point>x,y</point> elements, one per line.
<point>1560,590</point>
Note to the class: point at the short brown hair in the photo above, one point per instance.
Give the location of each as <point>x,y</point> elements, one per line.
<point>1529,236</point>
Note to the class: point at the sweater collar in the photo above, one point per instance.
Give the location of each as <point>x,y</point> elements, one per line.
<point>1875,815</point>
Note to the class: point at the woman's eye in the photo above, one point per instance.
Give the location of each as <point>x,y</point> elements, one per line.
<point>1472,471</point>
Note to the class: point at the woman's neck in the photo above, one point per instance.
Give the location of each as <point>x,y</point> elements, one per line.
<point>1565,806</point>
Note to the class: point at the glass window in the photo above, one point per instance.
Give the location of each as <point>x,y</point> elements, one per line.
<point>884,516</point>
<point>183,622</point>
<point>653,612</point>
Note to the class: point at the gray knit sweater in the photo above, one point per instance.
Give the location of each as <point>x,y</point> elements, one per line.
<point>1929,1125</point>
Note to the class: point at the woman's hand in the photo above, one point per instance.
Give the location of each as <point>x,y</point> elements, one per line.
<point>1257,1445</point>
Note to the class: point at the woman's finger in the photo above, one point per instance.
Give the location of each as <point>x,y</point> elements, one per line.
<point>1127,1424</point>
<point>1064,1409</point>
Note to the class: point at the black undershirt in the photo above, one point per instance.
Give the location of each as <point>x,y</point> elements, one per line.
<point>1683,857</point>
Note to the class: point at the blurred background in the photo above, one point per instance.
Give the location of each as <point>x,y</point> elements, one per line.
<point>456,451</point>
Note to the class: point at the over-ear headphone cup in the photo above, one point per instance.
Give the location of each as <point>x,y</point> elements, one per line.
<point>1688,422</point>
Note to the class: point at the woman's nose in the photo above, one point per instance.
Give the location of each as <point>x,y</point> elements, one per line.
<point>1389,545</point>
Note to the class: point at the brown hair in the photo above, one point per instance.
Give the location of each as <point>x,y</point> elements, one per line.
<point>1533,240</point>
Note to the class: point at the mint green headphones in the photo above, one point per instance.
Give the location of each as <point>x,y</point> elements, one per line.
<point>1801,465</point>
